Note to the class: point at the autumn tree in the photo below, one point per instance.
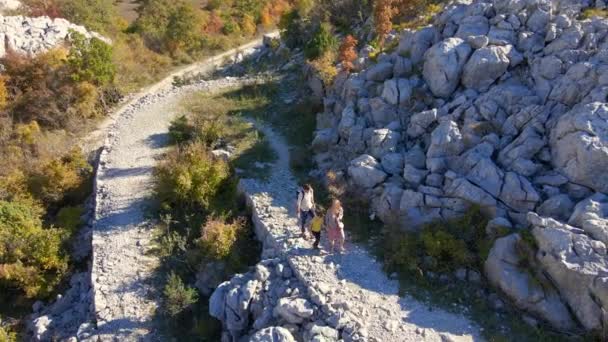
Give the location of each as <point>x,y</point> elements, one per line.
<point>383,15</point>
<point>214,23</point>
<point>348,52</point>
<point>248,26</point>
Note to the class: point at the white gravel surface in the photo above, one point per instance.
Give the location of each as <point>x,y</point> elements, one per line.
<point>126,293</point>
<point>351,287</point>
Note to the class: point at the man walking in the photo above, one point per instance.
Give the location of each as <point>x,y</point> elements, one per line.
<point>305,207</point>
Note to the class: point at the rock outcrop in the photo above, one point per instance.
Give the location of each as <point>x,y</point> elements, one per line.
<point>31,36</point>
<point>505,107</point>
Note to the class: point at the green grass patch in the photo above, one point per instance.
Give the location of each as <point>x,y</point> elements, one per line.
<point>440,248</point>
<point>594,12</point>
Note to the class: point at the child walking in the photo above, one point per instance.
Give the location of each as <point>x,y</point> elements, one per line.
<point>315,227</point>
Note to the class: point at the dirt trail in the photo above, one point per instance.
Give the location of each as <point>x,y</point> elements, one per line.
<point>354,282</point>
<point>126,293</point>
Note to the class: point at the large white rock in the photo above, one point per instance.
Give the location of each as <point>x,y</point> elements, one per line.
<point>591,214</point>
<point>503,271</point>
<point>443,65</point>
<point>476,25</point>
<point>579,145</point>
<point>272,334</point>
<point>484,67</point>
<point>415,44</point>
<point>577,265</point>
<point>292,310</point>
<point>366,171</point>
<point>383,141</point>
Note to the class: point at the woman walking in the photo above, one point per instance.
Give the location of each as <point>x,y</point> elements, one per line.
<point>335,227</point>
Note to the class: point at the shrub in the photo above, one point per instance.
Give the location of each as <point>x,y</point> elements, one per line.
<point>325,67</point>
<point>190,176</point>
<point>181,130</point>
<point>219,237</point>
<point>442,246</point>
<point>31,257</point>
<point>60,179</point>
<point>6,335</point>
<point>322,41</point>
<point>69,218</point>
<point>292,29</point>
<point>53,91</point>
<point>178,296</point>
<point>594,12</point>
<point>447,251</point>
<point>3,92</point>
<point>401,250</point>
<point>91,60</point>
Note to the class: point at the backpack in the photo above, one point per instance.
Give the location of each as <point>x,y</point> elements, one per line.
<point>299,192</point>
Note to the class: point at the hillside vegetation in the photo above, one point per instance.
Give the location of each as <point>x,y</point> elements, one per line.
<point>50,100</point>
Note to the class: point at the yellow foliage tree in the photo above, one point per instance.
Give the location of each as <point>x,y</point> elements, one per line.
<point>3,92</point>
<point>248,25</point>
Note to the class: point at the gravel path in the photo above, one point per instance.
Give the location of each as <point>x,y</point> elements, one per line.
<point>126,293</point>
<point>353,284</point>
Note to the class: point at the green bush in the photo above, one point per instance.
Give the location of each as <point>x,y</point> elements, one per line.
<point>322,41</point>
<point>178,296</point>
<point>401,250</point>
<point>190,177</point>
<point>292,29</point>
<point>61,179</point>
<point>447,251</point>
<point>91,60</point>
<point>95,15</point>
<point>6,335</point>
<point>69,218</point>
<point>31,257</point>
<point>169,25</point>
<point>181,130</point>
<point>183,29</point>
<point>441,246</point>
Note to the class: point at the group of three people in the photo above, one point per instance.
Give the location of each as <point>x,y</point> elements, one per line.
<point>311,220</point>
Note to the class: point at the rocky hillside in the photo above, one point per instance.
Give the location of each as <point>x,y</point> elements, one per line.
<point>502,104</point>
<point>31,36</point>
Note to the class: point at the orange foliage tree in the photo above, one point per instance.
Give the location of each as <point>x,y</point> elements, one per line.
<point>348,52</point>
<point>383,15</point>
<point>273,11</point>
<point>214,24</point>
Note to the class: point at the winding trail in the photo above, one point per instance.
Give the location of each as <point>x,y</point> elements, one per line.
<point>125,290</point>
<point>352,285</point>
